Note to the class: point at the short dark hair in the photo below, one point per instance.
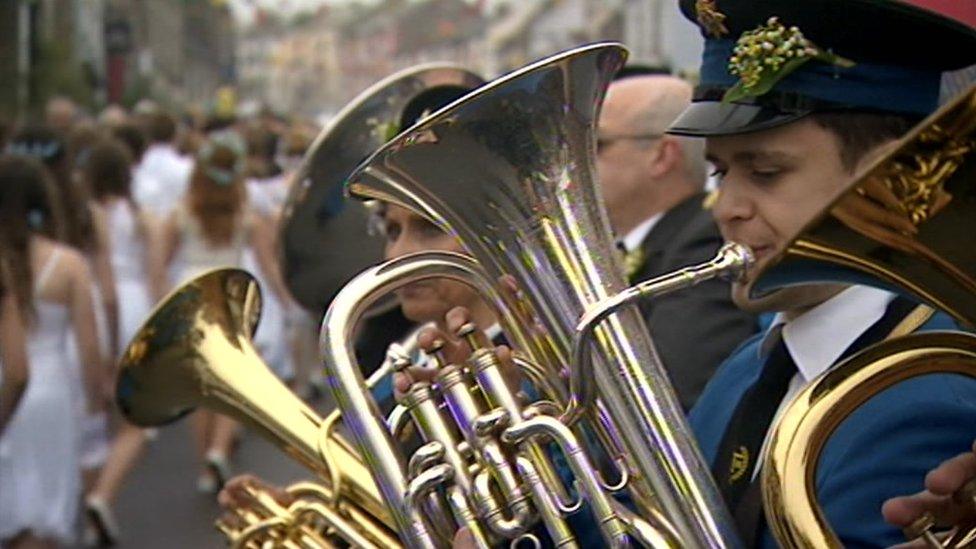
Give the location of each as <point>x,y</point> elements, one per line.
<point>637,69</point>
<point>133,137</point>
<point>859,133</point>
<point>161,127</point>
<point>429,101</point>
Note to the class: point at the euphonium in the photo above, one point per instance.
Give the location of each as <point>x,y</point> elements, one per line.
<point>508,169</point>
<point>196,350</point>
<point>928,178</point>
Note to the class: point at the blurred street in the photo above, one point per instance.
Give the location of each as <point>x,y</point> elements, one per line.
<point>159,507</point>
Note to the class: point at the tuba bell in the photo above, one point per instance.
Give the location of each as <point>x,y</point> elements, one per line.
<point>316,212</point>
<point>196,350</point>
<point>929,179</point>
<point>508,169</point>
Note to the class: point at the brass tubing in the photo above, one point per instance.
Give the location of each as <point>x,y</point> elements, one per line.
<point>611,527</point>
<point>464,409</point>
<point>730,261</point>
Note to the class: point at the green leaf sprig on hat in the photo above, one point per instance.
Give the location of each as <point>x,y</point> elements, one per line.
<point>764,56</point>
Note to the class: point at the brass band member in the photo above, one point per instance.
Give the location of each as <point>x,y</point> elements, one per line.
<point>794,98</point>
<point>405,232</point>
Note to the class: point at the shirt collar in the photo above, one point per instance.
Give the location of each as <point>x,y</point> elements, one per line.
<point>818,337</point>
<point>633,239</point>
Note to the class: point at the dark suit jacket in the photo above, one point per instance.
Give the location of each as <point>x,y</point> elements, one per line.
<point>694,329</point>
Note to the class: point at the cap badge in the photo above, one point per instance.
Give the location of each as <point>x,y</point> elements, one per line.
<point>712,20</point>
<point>764,56</point>
<point>739,465</point>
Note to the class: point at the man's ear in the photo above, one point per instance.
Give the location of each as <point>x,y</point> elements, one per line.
<point>664,156</point>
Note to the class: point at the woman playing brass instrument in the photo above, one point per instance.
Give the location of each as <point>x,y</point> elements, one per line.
<point>404,233</point>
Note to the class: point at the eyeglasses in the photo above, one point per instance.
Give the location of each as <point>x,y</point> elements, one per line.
<point>604,141</point>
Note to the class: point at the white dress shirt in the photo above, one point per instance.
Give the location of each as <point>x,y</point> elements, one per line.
<point>636,236</point>
<point>817,338</point>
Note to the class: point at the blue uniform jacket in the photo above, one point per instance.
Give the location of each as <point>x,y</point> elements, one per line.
<point>884,449</point>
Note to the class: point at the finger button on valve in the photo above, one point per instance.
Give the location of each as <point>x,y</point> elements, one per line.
<point>475,337</point>
<point>922,528</point>
<point>401,363</point>
<point>436,352</point>
<point>491,422</point>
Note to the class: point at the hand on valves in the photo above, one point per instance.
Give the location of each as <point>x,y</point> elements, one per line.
<point>453,348</point>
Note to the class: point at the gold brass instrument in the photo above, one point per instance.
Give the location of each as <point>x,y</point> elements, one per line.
<point>509,170</point>
<point>196,350</point>
<point>160,384</point>
<point>928,178</point>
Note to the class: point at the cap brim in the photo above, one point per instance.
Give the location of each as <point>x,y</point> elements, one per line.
<point>714,118</point>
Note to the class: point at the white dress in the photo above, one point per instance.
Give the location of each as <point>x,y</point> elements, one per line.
<point>128,266</point>
<point>197,255</point>
<point>267,197</point>
<point>40,482</point>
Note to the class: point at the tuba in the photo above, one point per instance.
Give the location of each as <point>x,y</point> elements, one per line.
<point>508,169</point>
<point>316,211</point>
<point>929,179</point>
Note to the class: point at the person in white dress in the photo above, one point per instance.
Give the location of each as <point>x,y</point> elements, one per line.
<point>83,227</point>
<point>39,450</point>
<point>139,274</point>
<point>209,229</point>
<point>277,337</point>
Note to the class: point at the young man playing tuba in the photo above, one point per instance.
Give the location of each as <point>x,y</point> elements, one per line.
<point>794,98</point>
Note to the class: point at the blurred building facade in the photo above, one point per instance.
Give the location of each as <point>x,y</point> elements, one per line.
<point>50,47</point>
<point>101,51</point>
<point>315,64</point>
<point>318,62</point>
<point>653,30</point>
<point>176,51</point>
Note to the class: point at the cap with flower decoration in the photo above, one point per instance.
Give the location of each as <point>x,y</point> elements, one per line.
<point>770,62</point>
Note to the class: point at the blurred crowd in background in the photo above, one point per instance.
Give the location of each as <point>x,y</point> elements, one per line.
<point>102,215</point>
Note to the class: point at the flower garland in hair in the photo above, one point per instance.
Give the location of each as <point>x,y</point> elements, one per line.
<point>764,56</point>
<point>227,140</point>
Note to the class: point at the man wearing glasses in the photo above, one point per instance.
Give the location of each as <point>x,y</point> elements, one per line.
<point>653,188</point>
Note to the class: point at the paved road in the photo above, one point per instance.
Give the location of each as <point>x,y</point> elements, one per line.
<point>160,508</point>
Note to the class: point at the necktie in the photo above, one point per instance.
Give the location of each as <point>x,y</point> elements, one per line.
<point>744,436</point>
<point>743,496</point>
<point>633,260</point>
